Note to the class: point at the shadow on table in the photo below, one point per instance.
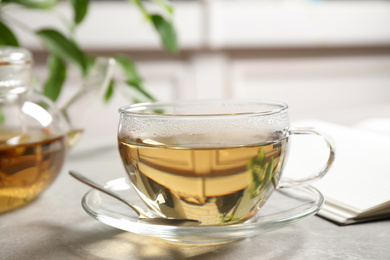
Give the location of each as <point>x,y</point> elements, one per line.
<point>280,244</point>
<point>51,241</point>
<point>92,240</point>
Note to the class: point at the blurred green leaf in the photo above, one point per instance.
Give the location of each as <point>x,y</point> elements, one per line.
<point>269,172</point>
<point>133,79</point>
<point>64,48</point>
<point>2,118</point>
<point>257,168</point>
<point>7,37</point>
<point>56,79</point>
<point>165,4</point>
<point>37,4</point>
<point>166,31</point>
<point>80,9</point>
<point>110,91</point>
<point>139,87</point>
<point>165,28</point>
<point>90,60</point>
<point>128,67</point>
<point>141,7</point>
<point>137,100</point>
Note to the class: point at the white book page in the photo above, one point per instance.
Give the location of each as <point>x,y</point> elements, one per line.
<point>360,176</point>
<point>379,125</point>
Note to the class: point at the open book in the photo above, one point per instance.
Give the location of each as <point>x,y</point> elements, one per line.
<point>357,187</point>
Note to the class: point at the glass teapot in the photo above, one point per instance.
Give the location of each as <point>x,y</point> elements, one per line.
<point>35,135</point>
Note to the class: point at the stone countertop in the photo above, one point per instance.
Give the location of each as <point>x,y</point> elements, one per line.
<point>54,226</point>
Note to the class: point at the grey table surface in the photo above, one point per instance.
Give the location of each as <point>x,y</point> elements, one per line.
<point>55,226</point>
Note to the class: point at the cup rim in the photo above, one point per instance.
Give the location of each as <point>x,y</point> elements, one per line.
<point>134,109</point>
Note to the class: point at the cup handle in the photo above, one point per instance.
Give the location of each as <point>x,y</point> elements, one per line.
<point>308,180</point>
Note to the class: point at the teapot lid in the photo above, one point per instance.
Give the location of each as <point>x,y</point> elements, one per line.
<point>15,70</point>
<point>14,55</point>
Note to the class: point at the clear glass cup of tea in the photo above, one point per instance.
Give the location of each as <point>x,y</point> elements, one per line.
<point>217,161</point>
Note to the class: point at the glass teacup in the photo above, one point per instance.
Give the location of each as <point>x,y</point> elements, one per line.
<point>217,161</point>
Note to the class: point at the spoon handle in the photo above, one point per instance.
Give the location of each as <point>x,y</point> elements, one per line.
<point>98,187</point>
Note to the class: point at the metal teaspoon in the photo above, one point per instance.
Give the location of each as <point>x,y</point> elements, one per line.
<point>142,215</point>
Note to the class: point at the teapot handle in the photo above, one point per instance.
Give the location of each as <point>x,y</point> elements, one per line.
<point>79,107</point>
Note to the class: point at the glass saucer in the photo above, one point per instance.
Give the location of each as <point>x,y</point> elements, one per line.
<point>286,206</point>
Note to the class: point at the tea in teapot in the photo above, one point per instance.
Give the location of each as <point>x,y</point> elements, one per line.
<point>34,134</point>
